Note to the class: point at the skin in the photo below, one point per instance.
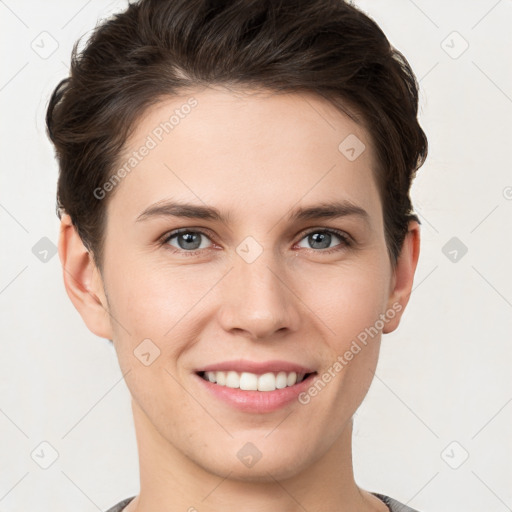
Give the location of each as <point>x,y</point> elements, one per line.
<point>257,157</point>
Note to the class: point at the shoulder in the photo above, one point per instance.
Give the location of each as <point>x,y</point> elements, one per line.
<point>394,505</point>
<point>122,504</point>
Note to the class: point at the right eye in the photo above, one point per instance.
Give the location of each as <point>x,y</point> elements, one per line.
<point>188,241</point>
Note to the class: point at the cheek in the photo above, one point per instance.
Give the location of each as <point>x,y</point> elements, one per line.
<point>153,311</point>
<point>347,302</point>
<point>161,303</point>
<point>345,299</point>
<point>349,306</point>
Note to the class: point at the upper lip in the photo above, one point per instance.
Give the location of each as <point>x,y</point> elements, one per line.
<point>243,365</point>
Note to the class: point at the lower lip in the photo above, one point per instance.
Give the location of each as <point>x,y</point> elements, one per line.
<point>257,401</point>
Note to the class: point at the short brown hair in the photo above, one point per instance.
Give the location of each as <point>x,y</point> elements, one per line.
<point>159,48</point>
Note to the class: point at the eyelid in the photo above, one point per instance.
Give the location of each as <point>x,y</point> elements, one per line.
<point>170,234</point>
<point>338,232</point>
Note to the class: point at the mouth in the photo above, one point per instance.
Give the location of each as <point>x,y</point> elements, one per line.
<point>247,381</point>
<point>255,386</point>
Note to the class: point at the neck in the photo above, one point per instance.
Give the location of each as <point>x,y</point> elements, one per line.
<point>169,480</point>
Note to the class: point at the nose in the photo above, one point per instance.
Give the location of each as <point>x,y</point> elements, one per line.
<point>258,299</point>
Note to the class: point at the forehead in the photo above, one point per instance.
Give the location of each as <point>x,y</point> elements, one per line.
<point>246,149</point>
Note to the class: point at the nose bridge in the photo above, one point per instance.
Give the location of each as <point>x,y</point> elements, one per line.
<point>256,295</point>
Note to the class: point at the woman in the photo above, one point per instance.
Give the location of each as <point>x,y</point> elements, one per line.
<point>235,218</point>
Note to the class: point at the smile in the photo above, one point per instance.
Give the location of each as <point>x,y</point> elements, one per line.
<point>252,387</point>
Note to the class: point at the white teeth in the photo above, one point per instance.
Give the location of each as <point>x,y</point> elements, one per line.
<point>281,380</point>
<point>291,379</point>
<point>219,377</point>
<point>232,380</point>
<point>251,382</point>
<point>267,382</point>
<point>248,381</point>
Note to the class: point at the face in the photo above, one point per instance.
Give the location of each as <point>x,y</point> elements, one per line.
<point>258,289</point>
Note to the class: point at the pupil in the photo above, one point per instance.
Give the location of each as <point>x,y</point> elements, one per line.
<point>189,239</point>
<point>319,237</point>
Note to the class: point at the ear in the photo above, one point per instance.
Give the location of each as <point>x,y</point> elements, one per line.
<point>403,276</point>
<point>83,281</point>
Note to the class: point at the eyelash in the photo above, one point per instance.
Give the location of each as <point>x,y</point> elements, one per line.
<point>346,240</point>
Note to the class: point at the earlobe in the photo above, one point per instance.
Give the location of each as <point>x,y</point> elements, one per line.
<point>404,276</point>
<point>82,280</point>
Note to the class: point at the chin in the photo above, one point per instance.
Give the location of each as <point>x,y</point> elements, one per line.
<point>261,472</point>
<point>248,464</point>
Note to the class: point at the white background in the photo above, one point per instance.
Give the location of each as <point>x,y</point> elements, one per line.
<point>443,377</point>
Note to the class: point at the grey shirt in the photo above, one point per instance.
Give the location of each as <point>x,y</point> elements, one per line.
<point>393,505</point>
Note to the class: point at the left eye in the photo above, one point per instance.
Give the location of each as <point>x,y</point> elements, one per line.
<point>321,239</point>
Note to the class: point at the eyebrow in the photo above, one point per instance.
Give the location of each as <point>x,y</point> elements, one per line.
<point>326,210</point>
